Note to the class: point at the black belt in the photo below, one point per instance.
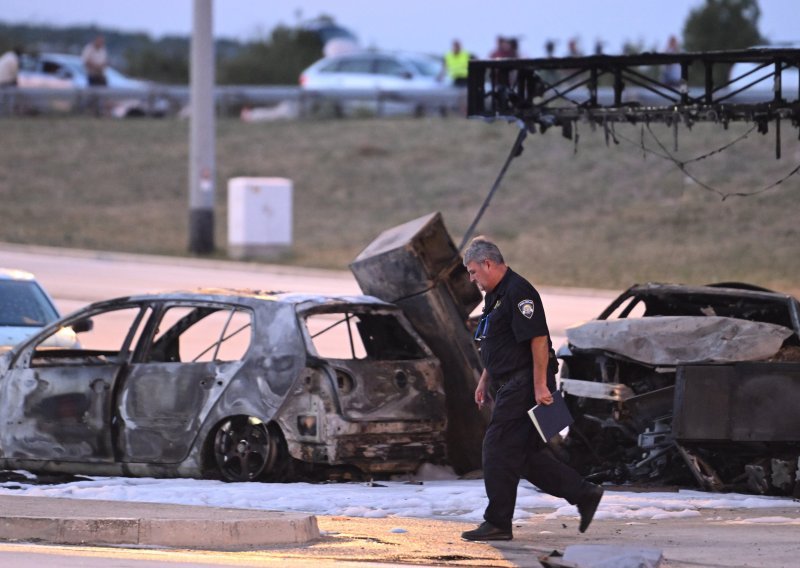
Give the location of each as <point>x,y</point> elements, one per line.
<point>506,378</point>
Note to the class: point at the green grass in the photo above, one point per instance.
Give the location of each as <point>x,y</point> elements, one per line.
<point>604,216</point>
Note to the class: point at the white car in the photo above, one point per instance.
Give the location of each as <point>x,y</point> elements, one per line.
<point>362,79</point>
<point>25,308</point>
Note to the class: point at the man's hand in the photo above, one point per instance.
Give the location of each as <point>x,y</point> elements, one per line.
<point>540,351</point>
<point>482,390</point>
<point>481,396</point>
<point>542,394</point>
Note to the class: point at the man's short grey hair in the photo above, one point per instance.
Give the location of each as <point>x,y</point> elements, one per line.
<point>480,249</point>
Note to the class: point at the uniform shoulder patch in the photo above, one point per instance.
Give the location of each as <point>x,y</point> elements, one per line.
<point>526,308</point>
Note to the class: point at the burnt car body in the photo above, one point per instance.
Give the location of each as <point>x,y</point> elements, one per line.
<point>680,384</point>
<point>238,385</point>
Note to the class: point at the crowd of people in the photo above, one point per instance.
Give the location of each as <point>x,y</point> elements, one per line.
<point>507,47</point>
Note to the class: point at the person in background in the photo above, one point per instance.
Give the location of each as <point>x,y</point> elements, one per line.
<point>573,50</point>
<point>519,371</point>
<point>671,74</point>
<point>9,67</point>
<point>503,49</point>
<point>95,60</point>
<point>456,64</point>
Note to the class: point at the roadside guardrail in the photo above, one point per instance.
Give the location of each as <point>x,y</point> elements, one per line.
<point>172,100</point>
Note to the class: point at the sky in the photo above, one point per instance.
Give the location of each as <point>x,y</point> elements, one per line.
<point>439,496</point>
<point>414,25</point>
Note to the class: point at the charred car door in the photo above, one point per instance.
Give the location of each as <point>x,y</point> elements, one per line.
<point>190,355</point>
<point>381,369</point>
<point>57,403</point>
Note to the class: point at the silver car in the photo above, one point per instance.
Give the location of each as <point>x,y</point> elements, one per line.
<point>378,82</point>
<point>25,308</point>
<point>231,384</point>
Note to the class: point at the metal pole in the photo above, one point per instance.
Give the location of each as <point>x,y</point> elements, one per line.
<point>202,169</point>
<point>516,150</point>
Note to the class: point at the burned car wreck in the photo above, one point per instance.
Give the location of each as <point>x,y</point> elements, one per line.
<point>248,385</point>
<point>687,384</point>
<point>230,384</point>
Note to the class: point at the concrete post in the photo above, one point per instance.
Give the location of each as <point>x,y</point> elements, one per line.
<point>202,169</point>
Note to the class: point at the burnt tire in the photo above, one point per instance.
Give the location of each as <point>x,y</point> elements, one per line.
<point>244,449</point>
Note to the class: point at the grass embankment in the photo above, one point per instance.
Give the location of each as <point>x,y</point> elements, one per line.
<point>602,217</point>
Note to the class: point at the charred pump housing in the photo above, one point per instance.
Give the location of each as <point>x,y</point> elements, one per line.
<point>417,267</point>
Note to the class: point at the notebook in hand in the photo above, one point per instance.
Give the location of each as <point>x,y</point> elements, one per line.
<point>550,419</point>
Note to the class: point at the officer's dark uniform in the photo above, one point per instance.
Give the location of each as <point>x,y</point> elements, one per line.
<point>512,448</point>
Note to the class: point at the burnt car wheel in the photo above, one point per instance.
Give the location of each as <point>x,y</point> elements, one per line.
<point>244,449</point>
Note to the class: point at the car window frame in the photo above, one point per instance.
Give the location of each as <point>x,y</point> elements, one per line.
<point>406,71</point>
<point>42,300</point>
<point>24,352</point>
<point>369,59</point>
<point>148,336</point>
<point>346,312</point>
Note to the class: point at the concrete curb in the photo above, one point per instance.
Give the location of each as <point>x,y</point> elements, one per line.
<point>91,522</point>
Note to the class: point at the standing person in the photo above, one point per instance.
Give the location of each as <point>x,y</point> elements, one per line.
<point>519,371</point>
<point>95,60</point>
<point>456,64</point>
<point>502,50</point>
<point>9,67</point>
<point>573,50</point>
<point>671,73</point>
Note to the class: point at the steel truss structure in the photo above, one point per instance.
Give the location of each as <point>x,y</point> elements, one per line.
<point>604,89</point>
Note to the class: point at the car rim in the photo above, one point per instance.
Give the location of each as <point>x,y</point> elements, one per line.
<point>242,447</point>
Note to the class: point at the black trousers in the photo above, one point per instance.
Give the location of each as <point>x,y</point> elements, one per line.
<point>513,450</point>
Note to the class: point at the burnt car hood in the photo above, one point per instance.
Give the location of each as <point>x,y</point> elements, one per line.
<point>675,340</point>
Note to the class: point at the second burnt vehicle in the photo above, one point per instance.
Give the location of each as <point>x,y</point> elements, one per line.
<point>675,383</point>
<point>231,384</point>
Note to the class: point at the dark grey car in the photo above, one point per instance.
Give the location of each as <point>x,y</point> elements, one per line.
<point>241,385</point>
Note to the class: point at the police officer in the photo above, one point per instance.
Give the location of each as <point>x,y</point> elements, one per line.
<point>519,371</point>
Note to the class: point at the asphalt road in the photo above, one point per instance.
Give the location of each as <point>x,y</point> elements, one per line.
<point>716,538</point>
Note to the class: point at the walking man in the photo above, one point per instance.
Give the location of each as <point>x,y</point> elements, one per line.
<point>519,371</point>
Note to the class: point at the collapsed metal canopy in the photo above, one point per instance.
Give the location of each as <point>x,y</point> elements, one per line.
<point>603,88</point>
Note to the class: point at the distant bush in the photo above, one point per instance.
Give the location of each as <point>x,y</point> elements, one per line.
<point>277,60</point>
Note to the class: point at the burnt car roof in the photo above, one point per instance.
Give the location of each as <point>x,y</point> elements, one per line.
<point>721,289</point>
<point>731,299</point>
<point>301,301</point>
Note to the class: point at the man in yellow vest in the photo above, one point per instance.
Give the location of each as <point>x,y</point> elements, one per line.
<point>456,62</point>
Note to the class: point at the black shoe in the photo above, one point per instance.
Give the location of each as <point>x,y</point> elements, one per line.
<point>487,531</point>
<point>588,505</point>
